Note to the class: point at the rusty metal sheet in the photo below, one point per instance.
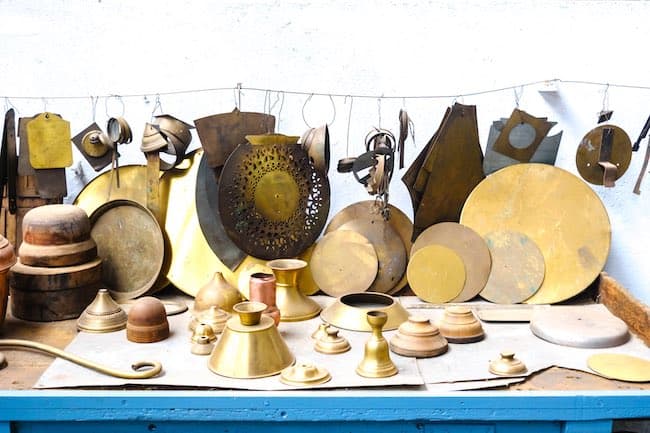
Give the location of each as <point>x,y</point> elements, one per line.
<point>588,154</point>
<point>220,134</point>
<point>522,123</point>
<point>96,162</point>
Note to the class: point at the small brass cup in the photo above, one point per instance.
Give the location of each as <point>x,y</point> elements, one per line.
<point>249,312</point>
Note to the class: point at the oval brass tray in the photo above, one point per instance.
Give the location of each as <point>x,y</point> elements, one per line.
<point>558,211</point>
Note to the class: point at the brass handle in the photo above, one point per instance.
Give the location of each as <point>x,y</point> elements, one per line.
<point>154,370</point>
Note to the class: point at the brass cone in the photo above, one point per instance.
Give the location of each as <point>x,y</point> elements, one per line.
<point>246,351</point>
<point>507,365</point>
<point>293,304</point>
<point>350,311</point>
<point>217,292</point>
<point>376,360</point>
<point>102,315</point>
<point>331,343</point>
<point>214,317</point>
<point>304,374</point>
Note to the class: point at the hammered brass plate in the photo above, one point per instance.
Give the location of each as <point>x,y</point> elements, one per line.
<point>620,367</point>
<point>471,248</point>
<point>588,154</point>
<point>436,274</point>
<point>103,188</point>
<point>554,208</point>
<point>398,220</point>
<point>517,268</point>
<point>389,248</point>
<point>272,202</point>
<point>343,262</point>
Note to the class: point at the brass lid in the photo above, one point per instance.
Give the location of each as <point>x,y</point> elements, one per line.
<point>214,317</point>
<point>95,143</point>
<point>102,315</point>
<point>418,338</point>
<point>201,332</point>
<point>507,365</point>
<point>349,311</point>
<point>320,331</point>
<point>304,374</point>
<point>459,325</point>
<point>7,256</point>
<point>147,321</point>
<point>436,274</point>
<point>216,292</point>
<point>339,274</point>
<point>620,367</point>
<point>331,343</point>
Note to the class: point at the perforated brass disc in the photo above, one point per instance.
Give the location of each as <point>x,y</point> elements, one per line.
<point>398,220</point>
<point>272,202</point>
<point>554,208</point>
<point>517,268</point>
<point>436,274</point>
<point>620,367</point>
<point>343,262</point>
<point>389,248</point>
<point>471,248</point>
<point>588,154</point>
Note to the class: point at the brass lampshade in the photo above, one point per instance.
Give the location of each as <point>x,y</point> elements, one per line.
<point>102,315</point>
<point>349,311</point>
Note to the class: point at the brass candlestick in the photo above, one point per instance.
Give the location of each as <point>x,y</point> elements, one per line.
<point>293,304</point>
<point>376,360</point>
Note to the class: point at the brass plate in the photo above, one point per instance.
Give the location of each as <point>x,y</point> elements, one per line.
<point>131,246</point>
<point>133,180</point>
<point>517,268</point>
<point>272,202</point>
<point>192,261</point>
<point>471,248</point>
<point>620,367</point>
<point>588,154</point>
<point>343,262</point>
<point>369,209</point>
<point>389,248</point>
<point>49,141</point>
<point>558,211</point>
<point>436,274</point>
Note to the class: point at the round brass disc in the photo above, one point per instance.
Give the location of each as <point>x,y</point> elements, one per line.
<point>389,248</point>
<point>436,274</point>
<point>192,261</point>
<point>95,148</point>
<point>554,208</point>
<point>620,367</point>
<point>588,154</point>
<point>133,181</point>
<point>130,244</point>
<point>272,201</point>
<point>343,262</point>
<point>517,268</point>
<point>369,209</point>
<point>471,248</point>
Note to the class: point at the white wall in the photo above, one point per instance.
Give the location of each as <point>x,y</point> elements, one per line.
<point>79,47</point>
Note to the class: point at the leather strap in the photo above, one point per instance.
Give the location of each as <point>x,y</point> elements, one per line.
<point>9,160</point>
<point>610,171</point>
<point>405,124</point>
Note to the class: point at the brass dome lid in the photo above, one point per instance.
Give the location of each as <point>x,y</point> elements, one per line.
<point>304,374</point>
<point>214,317</point>
<point>331,343</point>
<point>507,365</point>
<point>147,321</point>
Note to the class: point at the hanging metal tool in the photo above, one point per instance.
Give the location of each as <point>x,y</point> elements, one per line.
<point>119,132</point>
<point>405,126</point>
<point>644,168</point>
<point>642,135</point>
<point>8,160</point>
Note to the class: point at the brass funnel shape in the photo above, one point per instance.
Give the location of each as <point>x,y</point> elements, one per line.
<point>376,360</point>
<point>507,365</point>
<point>349,311</point>
<point>250,346</point>
<point>102,315</point>
<point>293,304</point>
<point>216,292</point>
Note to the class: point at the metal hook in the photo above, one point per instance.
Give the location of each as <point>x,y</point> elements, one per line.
<point>156,106</point>
<point>93,106</point>
<point>605,97</point>
<point>517,95</point>
<point>303,110</point>
<point>119,98</point>
<point>239,96</point>
<point>379,111</point>
<point>347,142</point>
<point>44,105</point>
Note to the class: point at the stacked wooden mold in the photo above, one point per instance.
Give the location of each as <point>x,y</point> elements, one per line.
<point>58,272</point>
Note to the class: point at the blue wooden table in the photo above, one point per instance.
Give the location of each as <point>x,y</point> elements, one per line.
<point>316,411</point>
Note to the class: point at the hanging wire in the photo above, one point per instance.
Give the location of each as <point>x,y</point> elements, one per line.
<point>518,95</point>
<point>605,98</point>
<point>93,107</point>
<point>237,92</point>
<point>44,99</point>
<point>347,136</point>
<point>9,104</point>
<point>304,119</point>
<point>379,111</point>
<point>119,99</point>
<point>156,106</point>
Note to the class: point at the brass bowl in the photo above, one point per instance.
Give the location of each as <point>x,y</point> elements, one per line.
<point>350,311</point>
<point>250,312</point>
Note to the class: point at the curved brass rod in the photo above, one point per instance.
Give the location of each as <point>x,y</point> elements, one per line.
<point>156,367</point>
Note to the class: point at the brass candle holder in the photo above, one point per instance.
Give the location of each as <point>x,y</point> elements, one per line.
<point>293,304</point>
<point>376,360</point>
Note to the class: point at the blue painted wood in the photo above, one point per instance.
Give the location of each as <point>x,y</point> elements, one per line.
<point>5,427</point>
<point>331,412</point>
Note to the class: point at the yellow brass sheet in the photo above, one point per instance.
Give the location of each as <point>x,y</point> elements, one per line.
<point>49,141</point>
<point>517,267</point>
<point>620,367</point>
<point>436,274</point>
<point>558,211</point>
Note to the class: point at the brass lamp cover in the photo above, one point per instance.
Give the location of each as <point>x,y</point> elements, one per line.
<point>214,317</point>
<point>272,202</point>
<point>102,315</point>
<point>530,198</point>
<point>349,311</point>
<point>293,304</point>
<point>250,351</point>
<point>304,374</point>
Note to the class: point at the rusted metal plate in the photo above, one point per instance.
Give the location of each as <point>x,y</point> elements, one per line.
<point>82,139</point>
<point>272,202</point>
<point>589,150</point>
<point>522,135</point>
<point>517,267</point>
<point>220,134</point>
<point>558,211</point>
<point>471,248</point>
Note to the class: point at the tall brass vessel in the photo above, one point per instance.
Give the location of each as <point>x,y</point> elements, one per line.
<point>250,345</point>
<point>293,304</point>
<point>376,360</point>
